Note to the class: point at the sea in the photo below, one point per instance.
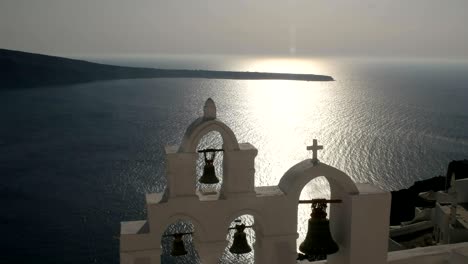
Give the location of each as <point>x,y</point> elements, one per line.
<point>76,160</point>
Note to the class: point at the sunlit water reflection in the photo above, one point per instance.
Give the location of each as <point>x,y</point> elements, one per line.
<point>81,158</point>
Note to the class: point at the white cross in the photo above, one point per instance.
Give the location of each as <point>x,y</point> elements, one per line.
<point>315,147</point>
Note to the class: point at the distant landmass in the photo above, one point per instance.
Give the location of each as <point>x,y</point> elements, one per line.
<point>24,70</point>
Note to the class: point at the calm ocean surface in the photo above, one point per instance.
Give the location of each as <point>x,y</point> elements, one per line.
<point>76,160</point>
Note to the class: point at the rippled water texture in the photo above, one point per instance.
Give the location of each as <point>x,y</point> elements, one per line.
<point>77,160</point>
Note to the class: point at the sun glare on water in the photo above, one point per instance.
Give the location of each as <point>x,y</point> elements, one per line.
<point>277,106</point>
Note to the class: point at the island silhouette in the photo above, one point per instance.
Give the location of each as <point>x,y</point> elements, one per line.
<point>26,70</point>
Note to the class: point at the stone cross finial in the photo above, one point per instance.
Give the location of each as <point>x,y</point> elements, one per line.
<point>315,147</point>
<point>209,110</point>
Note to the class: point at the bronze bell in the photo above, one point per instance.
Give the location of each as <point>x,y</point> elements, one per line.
<point>318,242</point>
<point>209,174</point>
<point>178,248</point>
<point>240,244</point>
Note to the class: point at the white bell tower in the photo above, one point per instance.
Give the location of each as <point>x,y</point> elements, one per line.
<point>359,225</point>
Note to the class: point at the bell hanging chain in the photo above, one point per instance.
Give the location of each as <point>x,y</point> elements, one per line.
<point>209,150</point>
<point>176,234</point>
<point>319,206</point>
<point>320,200</point>
<point>231,228</point>
<point>239,221</point>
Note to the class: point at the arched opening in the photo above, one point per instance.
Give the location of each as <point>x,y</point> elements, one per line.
<point>178,227</point>
<point>318,187</point>
<point>247,258</point>
<point>211,140</point>
<point>341,187</point>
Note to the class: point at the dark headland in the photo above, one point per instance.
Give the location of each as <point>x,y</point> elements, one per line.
<point>23,70</point>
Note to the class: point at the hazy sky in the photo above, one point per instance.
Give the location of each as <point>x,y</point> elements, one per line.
<point>417,28</point>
